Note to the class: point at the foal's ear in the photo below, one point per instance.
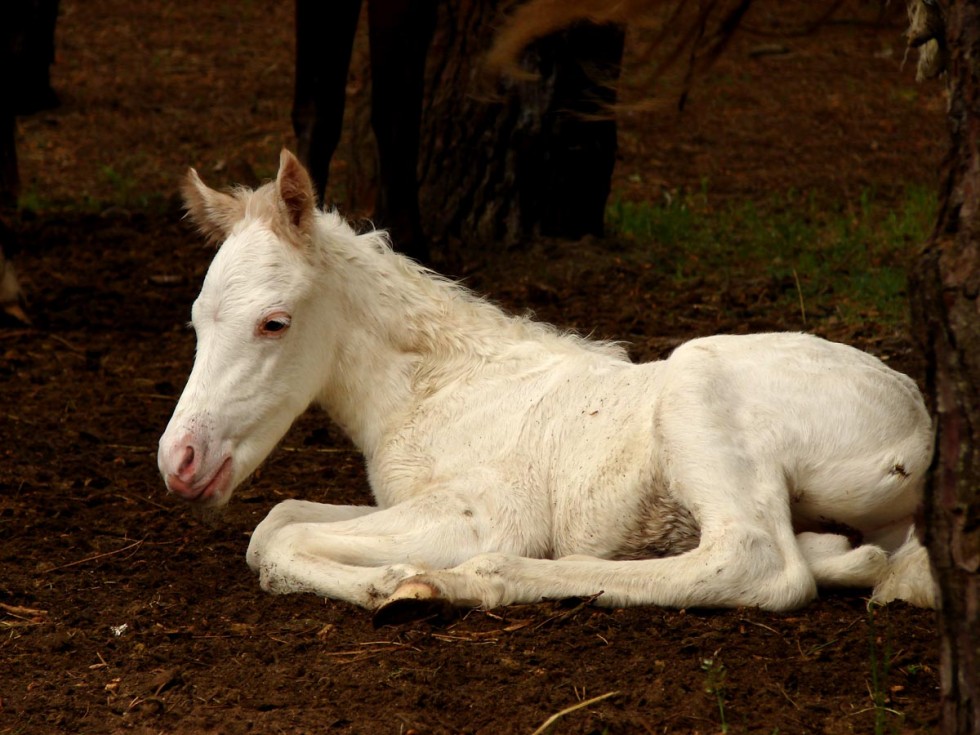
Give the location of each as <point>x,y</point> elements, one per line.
<point>295,192</point>
<point>213,212</point>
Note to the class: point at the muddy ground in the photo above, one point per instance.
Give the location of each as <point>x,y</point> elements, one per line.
<point>120,610</point>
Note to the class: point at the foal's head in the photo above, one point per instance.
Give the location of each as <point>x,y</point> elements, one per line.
<point>255,368</point>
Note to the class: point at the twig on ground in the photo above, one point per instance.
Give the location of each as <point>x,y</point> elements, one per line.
<point>585,602</point>
<point>66,343</point>
<point>482,636</point>
<point>760,625</point>
<point>94,557</point>
<point>27,614</point>
<point>558,715</point>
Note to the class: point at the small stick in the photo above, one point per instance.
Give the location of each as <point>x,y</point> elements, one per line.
<point>799,292</point>
<point>27,612</point>
<point>760,625</point>
<point>555,717</point>
<point>67,344</point>
<point>96,556</point>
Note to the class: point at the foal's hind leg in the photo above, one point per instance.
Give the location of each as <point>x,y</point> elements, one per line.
<point>733,572</point>
<point>908,576</point>
<point>835,564</point>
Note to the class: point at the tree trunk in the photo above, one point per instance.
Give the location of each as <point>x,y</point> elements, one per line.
<point>946,313</point>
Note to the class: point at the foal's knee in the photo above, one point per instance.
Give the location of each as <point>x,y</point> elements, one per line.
<point>283,514</point>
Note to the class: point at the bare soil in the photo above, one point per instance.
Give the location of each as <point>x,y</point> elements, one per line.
<point>122,611</point>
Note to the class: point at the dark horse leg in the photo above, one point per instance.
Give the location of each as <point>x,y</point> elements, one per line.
<point>578,150</point>
<point>9,180</point>
<point>14,19</point>
<point>400,32</point>
<point>324,39</point>
<point>9,290</point>
<point>35,57</point>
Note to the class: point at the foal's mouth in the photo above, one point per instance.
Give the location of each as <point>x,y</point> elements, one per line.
<point>209,491</point>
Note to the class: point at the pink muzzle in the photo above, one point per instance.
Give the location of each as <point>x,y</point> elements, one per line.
<point>192,472</point>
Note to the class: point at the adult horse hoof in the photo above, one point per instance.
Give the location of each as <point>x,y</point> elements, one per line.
<point>412,602</point>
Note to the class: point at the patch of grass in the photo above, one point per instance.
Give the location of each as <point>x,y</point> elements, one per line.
<point>34,201</point>
<point>881,657</point>
<point>714,684</point>
<point>848,262</point>
<point>126,193</point>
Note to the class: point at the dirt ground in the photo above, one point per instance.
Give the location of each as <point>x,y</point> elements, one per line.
<point>120,610</point>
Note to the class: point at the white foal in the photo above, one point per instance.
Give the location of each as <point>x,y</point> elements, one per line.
<point>511,462</point>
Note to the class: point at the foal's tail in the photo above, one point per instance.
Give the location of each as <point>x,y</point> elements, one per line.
<point>908,576</point>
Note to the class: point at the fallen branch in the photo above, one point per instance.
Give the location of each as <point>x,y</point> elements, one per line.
<point>22,612</point>
<point>558,715</point>
<point>485,636</point>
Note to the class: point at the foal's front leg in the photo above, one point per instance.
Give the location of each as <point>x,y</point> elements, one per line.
<point>360,553</point>
<point>289,512</point>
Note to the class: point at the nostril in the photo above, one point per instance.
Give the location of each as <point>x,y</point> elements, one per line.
<point>187,462</point>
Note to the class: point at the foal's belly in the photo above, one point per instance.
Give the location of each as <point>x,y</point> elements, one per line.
<point>560,464</point>
<point>604,481</point>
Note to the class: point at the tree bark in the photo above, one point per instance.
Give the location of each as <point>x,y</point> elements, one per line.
<point>946,316</point>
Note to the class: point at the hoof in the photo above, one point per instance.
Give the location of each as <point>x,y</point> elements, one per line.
<point>909,578</point>
<point>412,602</point>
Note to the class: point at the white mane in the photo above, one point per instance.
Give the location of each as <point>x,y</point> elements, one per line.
<point>439,316</point>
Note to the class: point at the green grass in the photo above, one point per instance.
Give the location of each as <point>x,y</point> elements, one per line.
<point>886,718</point>
<point>714,685</point>
<point>124,192</point>
<point>847,261</point>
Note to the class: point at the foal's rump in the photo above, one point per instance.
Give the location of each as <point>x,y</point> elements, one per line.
<point>851,436</point>
<point>847,439</point>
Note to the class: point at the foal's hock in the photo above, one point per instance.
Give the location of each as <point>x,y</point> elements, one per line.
<point>510,461</point>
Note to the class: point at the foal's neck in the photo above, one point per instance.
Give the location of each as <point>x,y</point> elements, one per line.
<point>400,331</point>
<point>389,317</point>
